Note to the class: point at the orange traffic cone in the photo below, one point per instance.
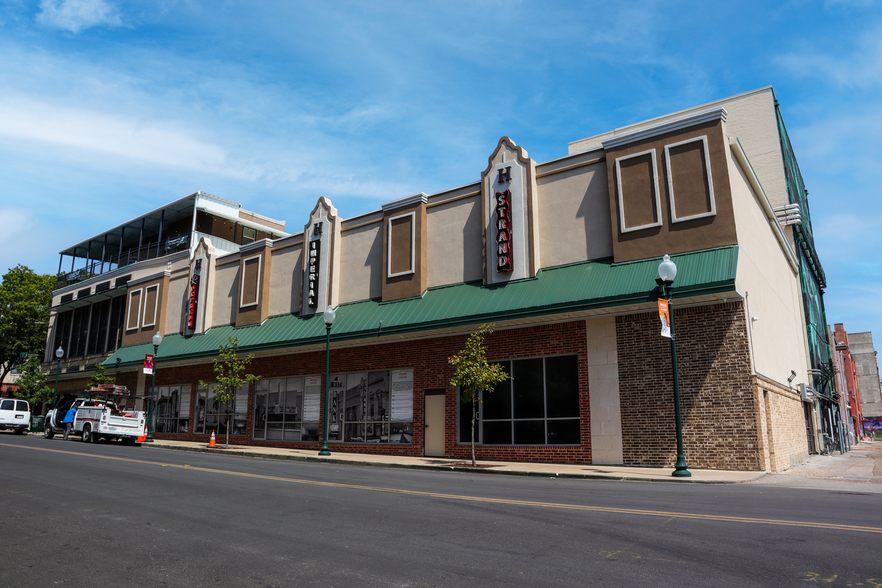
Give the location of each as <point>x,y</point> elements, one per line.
<point>212,443</point>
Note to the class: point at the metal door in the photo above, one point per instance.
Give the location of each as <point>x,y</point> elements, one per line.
<point>434,414</point>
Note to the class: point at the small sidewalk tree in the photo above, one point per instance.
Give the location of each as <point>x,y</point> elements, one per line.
<point>100,377</point>
<point>32,382</point>
<point>473,375</point>
<point>229,375</point>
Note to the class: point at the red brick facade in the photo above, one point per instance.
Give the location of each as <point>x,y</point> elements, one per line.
<point>428,358</point>
<point>718,405</point>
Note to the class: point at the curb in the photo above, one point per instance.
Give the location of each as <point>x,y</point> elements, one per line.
<point>444,468</point>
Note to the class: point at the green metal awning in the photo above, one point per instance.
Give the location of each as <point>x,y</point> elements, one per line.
<point>559,290</point>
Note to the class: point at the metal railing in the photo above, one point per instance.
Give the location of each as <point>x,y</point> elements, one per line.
<point>96,267</point>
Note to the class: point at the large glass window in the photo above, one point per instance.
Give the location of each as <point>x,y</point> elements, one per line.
<point>371,407</point>
<point>539,405</point>
<point>286,409</point>
<point>212,415</point>
<point>172,409</point>
<point>117,317</point>
<point>98,327</point>
<point>62,334</point>
<point>80,330</point>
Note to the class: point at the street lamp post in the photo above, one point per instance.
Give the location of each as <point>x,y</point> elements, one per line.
<point>667,271</point>
<point>59,353</point>
<point>157,339</point>
<point>329,315</point>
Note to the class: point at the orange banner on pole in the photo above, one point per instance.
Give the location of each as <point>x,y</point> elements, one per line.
<point>664,313</point>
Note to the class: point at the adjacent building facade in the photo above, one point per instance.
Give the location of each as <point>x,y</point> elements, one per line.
<point>867,370</point>
<point>561,256</point>
<point>847,386</point>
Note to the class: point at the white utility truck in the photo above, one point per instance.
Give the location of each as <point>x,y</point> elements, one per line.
<point>97,418</point>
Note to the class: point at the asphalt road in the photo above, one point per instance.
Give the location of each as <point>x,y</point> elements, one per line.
<point>109,515</point>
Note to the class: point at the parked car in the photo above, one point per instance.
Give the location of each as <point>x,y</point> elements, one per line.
<point>15,414</point>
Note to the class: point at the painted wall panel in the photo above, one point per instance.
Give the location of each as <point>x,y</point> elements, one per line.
<point>361,256</point>
<point>455,252</point>
<point>574,219</point>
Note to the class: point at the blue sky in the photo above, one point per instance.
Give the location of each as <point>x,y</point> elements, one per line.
<point>109,109</point>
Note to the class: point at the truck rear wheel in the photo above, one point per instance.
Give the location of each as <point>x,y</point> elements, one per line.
<point>19,431</point>
<point>87,434</point>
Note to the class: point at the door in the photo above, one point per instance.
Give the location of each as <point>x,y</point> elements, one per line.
<point>434,444</point>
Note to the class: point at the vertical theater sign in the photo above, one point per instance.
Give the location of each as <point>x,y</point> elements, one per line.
<point>503,227</point>
<point>510,214</point>
<point>321,238</point>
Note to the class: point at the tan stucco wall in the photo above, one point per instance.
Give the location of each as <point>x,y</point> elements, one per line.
<point>574,217</point>
<point>176,314</point>
<point>226,293</point>
<point>286,277</point>
<point>455,251</point>
<point>772,288</point>
<point>361,259</point>
<point>752,119</point>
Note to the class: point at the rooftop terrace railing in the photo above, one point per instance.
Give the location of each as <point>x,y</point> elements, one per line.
<point>96,267</point>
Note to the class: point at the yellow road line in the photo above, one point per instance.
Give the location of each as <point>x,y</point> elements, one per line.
<point>554,505</point>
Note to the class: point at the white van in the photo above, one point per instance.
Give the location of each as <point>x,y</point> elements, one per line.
<point>15,414</point>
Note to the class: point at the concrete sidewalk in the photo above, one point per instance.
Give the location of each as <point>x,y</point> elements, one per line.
<point>859,470</point>
<point>464,465</point>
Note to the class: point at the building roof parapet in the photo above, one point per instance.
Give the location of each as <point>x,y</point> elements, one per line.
<point>421,197</point>
<point>261,244</point>
<point>713,114</point>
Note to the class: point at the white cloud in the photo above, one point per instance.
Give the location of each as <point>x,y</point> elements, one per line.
<point>153,142</point>
<point>78,15</point>
<point>861,68</point>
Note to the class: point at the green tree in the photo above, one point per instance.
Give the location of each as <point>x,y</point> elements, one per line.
<point>474,375</point>
<point>25,298</point>
<point>100,377</point>
<point>230,375</point>
<point>32,382</point>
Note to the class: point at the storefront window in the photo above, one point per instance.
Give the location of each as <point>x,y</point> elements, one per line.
<point>286,409</point>
<point>212,415</point>
<point>371,407</point>
<point>539,405</point>
<point>172,409</point>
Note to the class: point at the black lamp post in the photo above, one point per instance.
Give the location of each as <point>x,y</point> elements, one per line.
<point>329,315</point>
<point>59,353</point>
<point>667,271</point>
<point>157,339</point>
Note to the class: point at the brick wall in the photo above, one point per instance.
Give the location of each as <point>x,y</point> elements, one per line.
<point>428,357</point>
<point>781,419</point>
<point>717,399</point>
